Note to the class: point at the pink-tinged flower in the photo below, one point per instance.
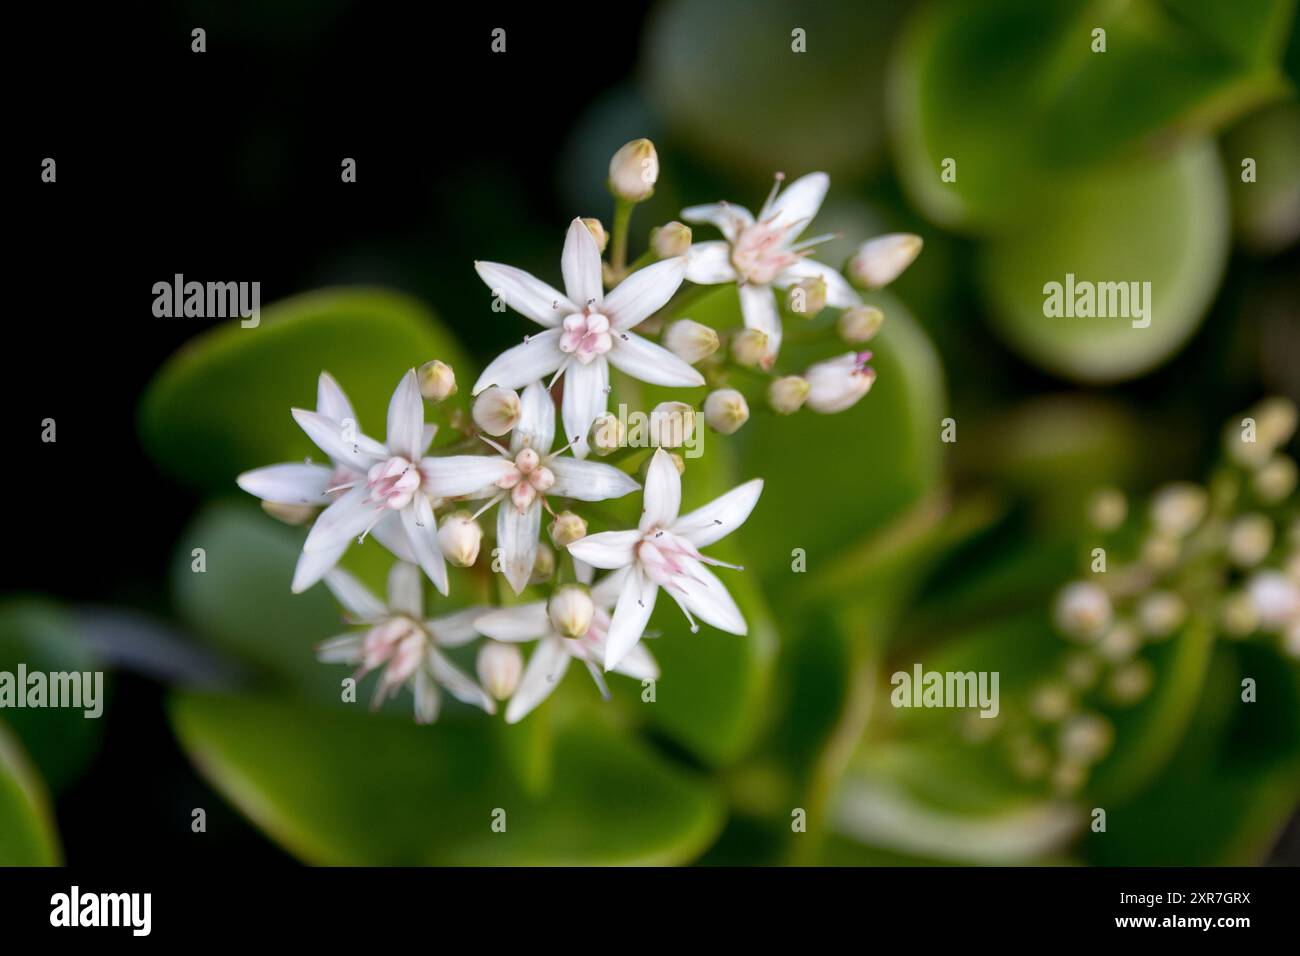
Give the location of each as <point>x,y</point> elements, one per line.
<point>663,551</point>
<point>399,640</point>
<point>586,330</point>
<point>307,483</point>
<point>525,473</point>
<point>550,659</point>
<point>384,480</point>
<point>764,253</point>
<point>838,383</point>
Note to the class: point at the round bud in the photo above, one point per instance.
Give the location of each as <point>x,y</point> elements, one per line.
<point>880,261</point>
<point>671,240</point>
<point>606,434</point>
<point>634,170</point>
<point>437,380</point>
<point>499,668</point>
<point>496,410</point>
<point>690,341</point>
<point>567,528</point>
<point>807,297</point>
<point>1083,611</point>
<point>860,323</point>
<point>459,537</point>
<point>749,347</point>
<point>597,232</point>
<point>571,610</point>
<point>726,410</point>
<point>787,394</point>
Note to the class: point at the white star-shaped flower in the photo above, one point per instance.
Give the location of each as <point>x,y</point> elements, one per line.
<point>306,483</point>
<point>550,659</point>
<point>400,640</point>
<point>663,551</point>
<point>762,254</point>
<point>526,473</point>
<point>586,330</point>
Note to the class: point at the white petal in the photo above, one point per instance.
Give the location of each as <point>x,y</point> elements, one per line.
<point>839,293</point>
<point>642,293</point>
<point>517,539</point>
<point>708,598</point>
<point>605,592</point>
<point>729,219</point>
<point>535,358</point>
<point>536,425</point>
<point>390,533</point>
<point>331,401</point>
<point>406,418</point>
<point>355,596</point>
<point>651,363</point>
<point>337,439</point>
<point>460,684</point>
<point>405,592</point>
<point>798,202</point>
<point>719,517</point>
<point>523,622</point>
<point>428,700</point>
<point>430,432</point>
<point>343,520</point>
<point>640,664</point>
<point>312,566</point>
<point>457,628</point>
<point>589,480</point>
<point>708,263</point>
<point>541,677</point>
<point>464,476</point>
<point>289,484</point>
<point>663,493</point>
<point>526,295</point>
<point>580,265</point>
<point>631,615</point>
<point>606,549</point>
<point>344,649</point>
<point>422,533</point>
<point>584,398</point>
<point>758,308</point>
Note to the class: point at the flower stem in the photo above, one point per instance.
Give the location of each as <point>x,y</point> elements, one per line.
<point>618,241</point>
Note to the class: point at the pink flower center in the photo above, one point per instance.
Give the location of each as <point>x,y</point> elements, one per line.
<point>527,480</point>
<point>393,483</point>
<point>398,642</point>
<point>662,555</point>
<point>586,335</point>
<point>760,254</point>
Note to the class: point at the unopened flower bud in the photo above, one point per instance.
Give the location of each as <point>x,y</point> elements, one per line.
<point>1276,599</point>
<point>807,297</point>
<point>726,410</point>
<point>290,513</point>
<point>1085,738</point>
<point>1082,670</point>
<point>634,170</point>
<point>496,410</point>
<point>543,565</point>
<point>787,394</point>
<point>749,348</point>
<point>838,383</point>
<point>1178,508</point>
<point>1249,540</point>
<point>1130,683</point>
<point>1237,615</point>
<point>1275,481</point>
<point>1160,551</point>
<point>567,528</point>
<point>606,434</point>
<point>880,261</point>
<point>1068,777</point>
<point>1275,421</point>
<point>459,537</point>
<point>597,231</point>
<point>1051,702</point>
<point>499,668</point>
<point>671,240</point>
<point>860,323</point>
<point>690,341</point>
<point>1083,611</point>
<point>1120,643</point>
<point>671,424</point>
<point>437,380</point>
<point>1108,509</point>
<point>1161,613</point>
<point>571,609</point>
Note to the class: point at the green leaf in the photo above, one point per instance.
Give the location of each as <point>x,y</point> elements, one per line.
<point>222,404</point>
<point>27,833</point>
<point>61,740</point>
<point>1162,222</point>
<point>339,787</point>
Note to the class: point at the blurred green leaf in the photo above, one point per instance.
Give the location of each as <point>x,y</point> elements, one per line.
<point>1162,222</point>
<point>27,833</point>
<point>339,787</point>
<point>62,741</point>
<point>222,404</point>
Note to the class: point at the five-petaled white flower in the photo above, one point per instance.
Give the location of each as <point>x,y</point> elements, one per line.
<point>526,473</point>
<point>586,330</point>
<point>390,478</point>
<point>306,483</point>
<point>663,551</point>
<point>550,659</point>
<point>400,640</point>
<point>759,254</point>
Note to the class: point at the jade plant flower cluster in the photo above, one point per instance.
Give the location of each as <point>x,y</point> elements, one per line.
<point>617,326</point>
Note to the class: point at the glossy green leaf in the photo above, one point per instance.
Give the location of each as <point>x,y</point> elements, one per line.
<point>345,787</point>
<point>222,404</point>
<point>27,833</point>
